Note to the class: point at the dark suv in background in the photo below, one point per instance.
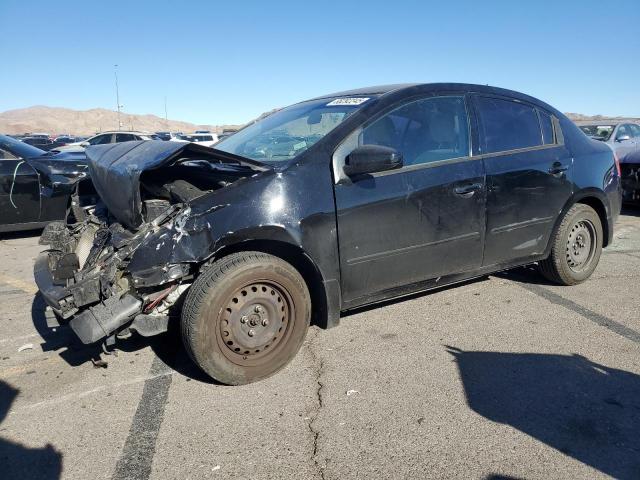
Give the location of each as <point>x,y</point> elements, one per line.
<point>321,207</point>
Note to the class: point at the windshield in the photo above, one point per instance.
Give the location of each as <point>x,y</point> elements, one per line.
<point>601,132</point>
<point>288,132</point>
<point>18,148</point>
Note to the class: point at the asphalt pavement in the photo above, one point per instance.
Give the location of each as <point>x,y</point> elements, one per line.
<point>503,377</point>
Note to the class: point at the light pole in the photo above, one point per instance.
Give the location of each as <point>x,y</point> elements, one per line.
<point>165,113</point>
<point>115,72</point>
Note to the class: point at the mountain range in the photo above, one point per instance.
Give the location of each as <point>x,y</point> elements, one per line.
<point>56,120</point>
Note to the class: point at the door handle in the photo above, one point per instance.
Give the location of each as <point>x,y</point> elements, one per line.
<point>467,190</point>
<point>557,169</point>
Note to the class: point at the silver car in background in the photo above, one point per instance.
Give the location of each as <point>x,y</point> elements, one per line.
<point>624,140</point>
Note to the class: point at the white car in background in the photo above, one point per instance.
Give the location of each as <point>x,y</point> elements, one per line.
<point>206,139</point>
<point>104,138</point>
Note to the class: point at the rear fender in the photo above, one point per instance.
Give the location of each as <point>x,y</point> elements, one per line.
<point>597,200</point>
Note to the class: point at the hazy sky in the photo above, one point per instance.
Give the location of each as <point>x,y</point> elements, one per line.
<point>228,61</point>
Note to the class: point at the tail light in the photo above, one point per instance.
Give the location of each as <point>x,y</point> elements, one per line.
<point>617,161</point>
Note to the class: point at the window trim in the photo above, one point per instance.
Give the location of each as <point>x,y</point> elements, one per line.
<point>514,100</point>
<point>539,112</point>
<point>472,115</point>
<point>338,163</point>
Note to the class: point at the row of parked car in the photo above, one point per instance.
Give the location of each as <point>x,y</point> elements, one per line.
<point>69,143</point>
<point>45,142</point>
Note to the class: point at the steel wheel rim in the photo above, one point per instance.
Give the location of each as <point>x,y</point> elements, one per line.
<point>581,245</point>
<point>255,322</point>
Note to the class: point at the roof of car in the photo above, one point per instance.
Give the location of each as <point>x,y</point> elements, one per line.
<point>399,87</point>
<point>135,132</point>
<point>375,90</point>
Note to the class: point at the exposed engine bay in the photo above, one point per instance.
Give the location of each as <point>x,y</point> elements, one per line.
<point>91,275</point>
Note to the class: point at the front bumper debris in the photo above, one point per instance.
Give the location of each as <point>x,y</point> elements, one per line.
<point>96,322</point>
<point>100,298</point>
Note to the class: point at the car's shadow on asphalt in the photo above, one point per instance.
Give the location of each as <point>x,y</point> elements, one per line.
<point>168,346</point>
<point>20,234</point>
<point>18,461</point>
<point>631,210</point>
<point>583,409</point>
<point>528,274</point>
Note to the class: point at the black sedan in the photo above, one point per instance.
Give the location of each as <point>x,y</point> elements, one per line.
<point>35,186</point>
<point>322,207</point>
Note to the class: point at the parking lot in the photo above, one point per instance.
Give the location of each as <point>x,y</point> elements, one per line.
<point>503,377</point>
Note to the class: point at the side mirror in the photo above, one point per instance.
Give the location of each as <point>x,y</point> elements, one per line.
<point>623,138</point>
<point>84,144</point>
<point>370,159</point>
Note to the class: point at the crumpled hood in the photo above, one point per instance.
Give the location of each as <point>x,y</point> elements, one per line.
<point>115,170</point>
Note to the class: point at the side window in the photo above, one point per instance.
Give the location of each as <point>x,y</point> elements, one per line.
<point>622,131</point>
<point>101,139</point>
<point>547,128</point>
<point>124,137</point>
<point>424,131</point>
<point>635,130</point>
<point>507,125</point>
<point>7,155</point>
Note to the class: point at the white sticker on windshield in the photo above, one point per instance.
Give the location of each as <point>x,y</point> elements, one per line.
<point>347,101</point>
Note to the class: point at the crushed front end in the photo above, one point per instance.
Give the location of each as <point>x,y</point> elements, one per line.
<point>127,261</point>
<point>84,278</point>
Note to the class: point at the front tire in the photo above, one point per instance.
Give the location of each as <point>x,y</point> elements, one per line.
<point>245,317</point>
<point>576,247</point>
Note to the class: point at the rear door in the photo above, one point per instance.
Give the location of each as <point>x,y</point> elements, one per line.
<point>19,190</point>
<point>421,221</point>
<point>528,172</point>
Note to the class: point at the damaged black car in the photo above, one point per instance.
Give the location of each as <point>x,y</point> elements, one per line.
<point>37,187</point>
<point>321,207</point>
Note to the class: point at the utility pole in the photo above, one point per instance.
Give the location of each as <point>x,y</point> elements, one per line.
<point>166,121</point>
<point>115,72</point>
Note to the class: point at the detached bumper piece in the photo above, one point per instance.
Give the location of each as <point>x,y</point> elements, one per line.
<point>96,322</point>
<point>103,319</point>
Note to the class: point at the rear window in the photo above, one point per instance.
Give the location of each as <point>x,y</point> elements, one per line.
<point>124,137</point>
<point>507,125</point>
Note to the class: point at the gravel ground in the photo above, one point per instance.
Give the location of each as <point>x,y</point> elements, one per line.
<point>504,377</point>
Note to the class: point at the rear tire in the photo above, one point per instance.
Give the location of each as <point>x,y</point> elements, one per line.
<point>576,247</point>
<point>245,317</point>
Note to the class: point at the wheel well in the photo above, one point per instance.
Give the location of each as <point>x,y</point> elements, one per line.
<point>300,261</point>
<point>598,206</point>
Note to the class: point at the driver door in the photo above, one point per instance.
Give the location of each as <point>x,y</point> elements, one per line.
<point>19,190</point>
<point>421,221</point>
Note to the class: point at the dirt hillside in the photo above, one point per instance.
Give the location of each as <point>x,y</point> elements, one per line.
<point>55,120</point>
